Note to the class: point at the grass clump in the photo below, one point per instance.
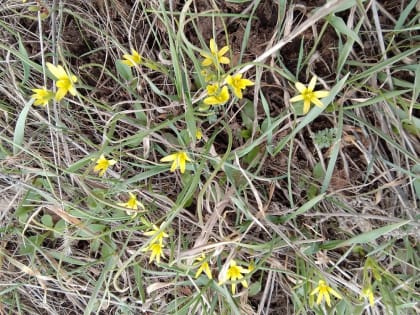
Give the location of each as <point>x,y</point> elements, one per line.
<point>155,157</point>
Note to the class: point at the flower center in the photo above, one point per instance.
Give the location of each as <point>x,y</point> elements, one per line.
<point>307,94</point>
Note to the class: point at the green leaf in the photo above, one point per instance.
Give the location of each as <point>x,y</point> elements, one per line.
<point>338,24</point>
<point>364,237</point>
<point>304,208</point>
<point>25,62</point>
<point>123,70</point>
<point>254,288</point>
<point>47,220</point>
<point>20,128</point>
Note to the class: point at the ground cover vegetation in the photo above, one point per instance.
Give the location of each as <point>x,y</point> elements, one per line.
<point>209,157</point>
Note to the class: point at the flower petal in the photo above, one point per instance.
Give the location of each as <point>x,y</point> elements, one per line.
<point>317,102</point>
<point>300,87</point>
<point>319,299</point>
<point>174,165</point>
<point>57,71</point>
<point>60,94</point>
<point>223,51</point>
<point>169,158</point>
<point>321,94</point>
<point>182,165</point>
<point>213,46</point>
<point>224,60</point>
<point>296,98</point>
<point>327,298</point>
<point>312,83</point>
<point>207,62</point>
<point>246,82</point>
<point>335,293</point>
<point>211,100</point>
<point>306,106</point>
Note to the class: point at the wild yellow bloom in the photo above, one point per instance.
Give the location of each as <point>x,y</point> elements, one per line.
<point>238,84</point>
<point>368,293</point>
<point>42,96</point>
<point>324,290</point>
<point>64,82</point>
<point>308,95</point>
<point>212,89</point>
<point>102,164</point>
<point>217,99</point>
<point>198,134</point>
<point>204,266</point>
<point>132,203</point>
<point>178,159</point>
<point>234,273</point>
<point>156,250</point>
<point>133,59</point>
<point>215,56</point>
<point>156,234</point>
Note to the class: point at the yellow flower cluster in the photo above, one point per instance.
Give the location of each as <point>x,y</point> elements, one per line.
<point>233,274</point>
<point>156,243</point>
<point>64,83</point>
<point>217,92</point>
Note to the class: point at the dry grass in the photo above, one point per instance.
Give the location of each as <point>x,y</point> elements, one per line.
<point>331,195</point>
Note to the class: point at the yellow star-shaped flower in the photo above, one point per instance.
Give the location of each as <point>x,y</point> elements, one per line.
<point>198,134</point>
<point>42,96</point>
<point>238,84</point>
<point>217,97</point>
<point>65,82</point>
<point>215,56</point>
<point>204,266</point>
<point>178,159</point>
<point>156,250</point>
<point>324,291</point>
<point>308,95</point>
<point>133,59</point>
<point>157,234</point>
<point>102,164</point>
<point>234,273</point>
<point>132,203</point>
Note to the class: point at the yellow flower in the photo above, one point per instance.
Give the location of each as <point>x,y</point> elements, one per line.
<point>132,203</point>
<point>308,95</point>
<point>234,273</point>
<point>238,84</point>
<point>204,266</point>
<point>133,59</point>
<point>215,56</point>
<point>156,234</point>
<point>198,134</point>
<point>64,81</point>
<point>324,290</point>
<point>42,96</point>
<point>156,250</point>
<point>178,159</point>
<point>368,293</point>
<point>102,164</point>
<point>212,89</point>
<point>217,99</point>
